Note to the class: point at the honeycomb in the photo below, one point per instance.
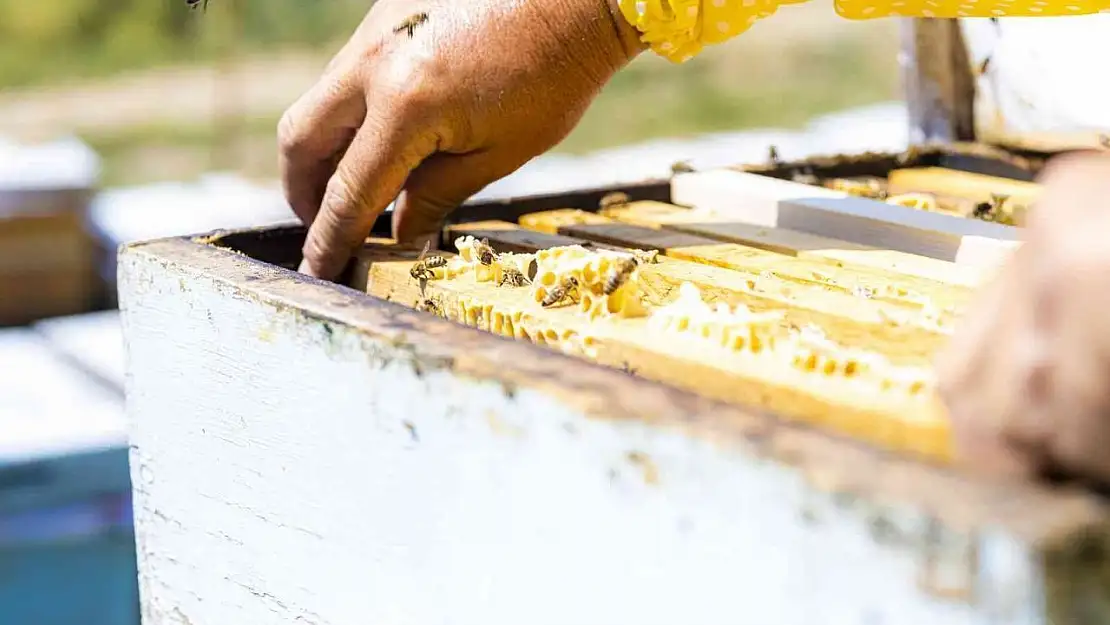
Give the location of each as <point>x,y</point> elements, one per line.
<point>738,329</point>
<point>592,271</point>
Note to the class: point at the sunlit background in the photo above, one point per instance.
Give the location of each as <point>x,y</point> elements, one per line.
<point>137,119</point>
<point>164,93</point>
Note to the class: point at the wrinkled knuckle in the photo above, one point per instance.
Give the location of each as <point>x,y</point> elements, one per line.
<point>342,200</point>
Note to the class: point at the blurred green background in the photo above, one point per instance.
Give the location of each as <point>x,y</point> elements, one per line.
<point>163,92</point>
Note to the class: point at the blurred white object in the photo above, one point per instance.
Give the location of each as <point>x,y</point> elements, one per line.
<point>66,163</point>
<point>48,407</point>
<point>167,209</point>
<point>93,342</point>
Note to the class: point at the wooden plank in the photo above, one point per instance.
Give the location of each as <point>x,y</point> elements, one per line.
<point>522,240</point>
<point>911,422</point>
<point>903,331</point>
<point>887,286</point>
<point>876,283</point>
<point>766,201</point>
<point>632,236</point>
<point>961,184</point>
<point>550,221</point>
<point>805,245</point>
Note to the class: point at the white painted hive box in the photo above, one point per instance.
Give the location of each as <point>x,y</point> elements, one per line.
<point>305,453</point>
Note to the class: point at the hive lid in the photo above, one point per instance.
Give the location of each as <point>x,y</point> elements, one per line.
<point>1035,84</point>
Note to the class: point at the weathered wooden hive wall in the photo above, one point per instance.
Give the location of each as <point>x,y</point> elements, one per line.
<point>740,428</point>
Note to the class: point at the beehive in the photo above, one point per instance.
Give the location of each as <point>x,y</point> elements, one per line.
<point>742,430</point>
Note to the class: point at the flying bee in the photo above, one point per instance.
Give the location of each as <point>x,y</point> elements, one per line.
<point>615,198</point>
<point>485,253</point>
<point>425,262</point>
<point>422,269</point>
<point>512,277</point>
<point>411,23</point>
<point>560,292</point>
<point>619,274</point>
<point>193,4</point>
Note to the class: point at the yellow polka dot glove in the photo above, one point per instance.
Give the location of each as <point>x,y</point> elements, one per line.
<point>868,9</point>
<point>679,29</point>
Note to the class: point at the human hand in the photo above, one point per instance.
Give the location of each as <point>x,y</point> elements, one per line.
<point>1027,376</point>
<point>431,114</point>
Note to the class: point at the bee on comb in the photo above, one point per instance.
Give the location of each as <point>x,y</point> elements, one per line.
<point>411,23</point>
<point>560,292</point>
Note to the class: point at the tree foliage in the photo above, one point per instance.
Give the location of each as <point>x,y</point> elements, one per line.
<point>47,40</point>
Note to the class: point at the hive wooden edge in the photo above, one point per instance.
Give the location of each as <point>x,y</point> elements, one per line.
<point>1000,160</point>
<point>1051,517</point>
<point>774,202</point>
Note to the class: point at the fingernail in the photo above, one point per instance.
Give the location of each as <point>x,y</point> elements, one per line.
<point>306,269</point>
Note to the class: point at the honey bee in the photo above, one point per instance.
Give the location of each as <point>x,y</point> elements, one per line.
<point>681,167</point>
<point>619,274</point>
<point>512,277</point>
<point>560,292</point>
<point>422,269</point>
<point>610,200</point>
<point>411,23</point>
<point>485,253</point>
<point>773,155</point>
<point>984,65</point>
<point>992,210</point>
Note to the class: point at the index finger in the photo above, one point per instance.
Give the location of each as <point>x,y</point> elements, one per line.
<point>367,179</point>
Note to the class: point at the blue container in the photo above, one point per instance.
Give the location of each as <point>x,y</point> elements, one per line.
<point>68,563</point>
<point>67,546</point>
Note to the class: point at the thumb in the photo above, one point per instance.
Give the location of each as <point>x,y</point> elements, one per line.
<point>440,184</point>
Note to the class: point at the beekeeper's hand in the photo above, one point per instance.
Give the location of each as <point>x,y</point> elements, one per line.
<point>1027,378</point>
<point>478,89</point>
